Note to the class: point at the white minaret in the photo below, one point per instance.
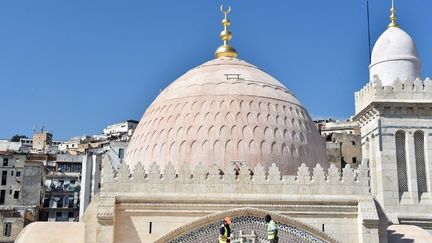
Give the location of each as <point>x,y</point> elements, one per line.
<point>394,113</point>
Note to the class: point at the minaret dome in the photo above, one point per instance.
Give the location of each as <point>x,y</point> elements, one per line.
<point>394,55</point>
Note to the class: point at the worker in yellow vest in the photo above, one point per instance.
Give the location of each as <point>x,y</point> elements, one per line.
<point>272,230</point>
<point>225,231</point>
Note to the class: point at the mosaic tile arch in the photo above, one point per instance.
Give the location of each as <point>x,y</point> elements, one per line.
<point>249,222</point>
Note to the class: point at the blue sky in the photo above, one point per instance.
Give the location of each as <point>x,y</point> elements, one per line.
<point>77,66</point>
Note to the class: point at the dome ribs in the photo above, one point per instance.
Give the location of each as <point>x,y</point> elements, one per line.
<point>201,118</point>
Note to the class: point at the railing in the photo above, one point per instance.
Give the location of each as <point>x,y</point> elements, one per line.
<point>63,188</point>
<point>10,214</point>
<point>245,238</point>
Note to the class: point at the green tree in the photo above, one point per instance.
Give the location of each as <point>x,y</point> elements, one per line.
<point>16,137</point>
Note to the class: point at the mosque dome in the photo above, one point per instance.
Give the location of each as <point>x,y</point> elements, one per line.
<point>227,110</point>
<point>394,56</point>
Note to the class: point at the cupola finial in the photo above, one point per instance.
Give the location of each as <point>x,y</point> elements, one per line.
<point>393,17</point>
<point>225,50</point>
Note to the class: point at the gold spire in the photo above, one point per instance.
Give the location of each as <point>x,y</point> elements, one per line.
<point>393,17</point>
<point>225,50</point>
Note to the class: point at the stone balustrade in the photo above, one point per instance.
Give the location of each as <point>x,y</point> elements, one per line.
<point>203,179</point>
<point>407,90</point>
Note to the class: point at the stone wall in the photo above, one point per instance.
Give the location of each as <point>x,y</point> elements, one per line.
<point>147,203</point>
<point>408,90</point>
<point>11,174</point>
<point>401,166</point>
<point>32,183</point>
<point>16,225</point>
<point>15,218</point>
<point>241,179</point>
<point>344,149</point>
<point>379,147</point>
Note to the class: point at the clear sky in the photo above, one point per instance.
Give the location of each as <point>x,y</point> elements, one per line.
<point>76,66</point>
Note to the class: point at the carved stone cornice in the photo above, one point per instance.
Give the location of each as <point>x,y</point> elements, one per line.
<point>203,179</point>
<point>106,208</point>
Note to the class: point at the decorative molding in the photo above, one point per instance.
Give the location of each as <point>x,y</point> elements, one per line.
<point>407,91</point>
<point>315,208</point>
<point>106,208</point>
<point>289,227</point>
<point>367,211</point>
<point>210,179</point>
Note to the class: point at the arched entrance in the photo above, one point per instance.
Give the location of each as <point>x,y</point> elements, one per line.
<point>248,223</point>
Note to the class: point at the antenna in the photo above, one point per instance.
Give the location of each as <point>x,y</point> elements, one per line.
<point>369,34</point>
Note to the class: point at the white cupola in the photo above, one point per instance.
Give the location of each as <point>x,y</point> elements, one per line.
<point>394,55</point>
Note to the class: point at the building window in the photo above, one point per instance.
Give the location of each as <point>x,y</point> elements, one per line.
<point>5,161</point>
<point>70,201</point>
<point>354,160</point>
<point>420,162</point>
<point>2,196</point>
<point>18,174</point>
<point>401,162</point>
<point>343,163</point>
<point>4,178</point>
<point>46,202</point>
<point>75,168</point>
<point>60,202</point>
<point>121,153</point>
<point>7,229</point>
<point>63,168</point>
<point>16,194</point>
<point>59,216</point>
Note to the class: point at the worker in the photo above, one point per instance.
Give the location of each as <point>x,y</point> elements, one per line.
<point>272,229</point>
<point>225,231</point>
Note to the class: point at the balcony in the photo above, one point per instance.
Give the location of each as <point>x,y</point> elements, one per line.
<point>63,219</point>
<point>60,203</point>
<point>61,187</point>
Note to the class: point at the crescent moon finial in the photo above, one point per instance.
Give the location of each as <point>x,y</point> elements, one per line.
<point>225,11</point>
<point>225,50</point>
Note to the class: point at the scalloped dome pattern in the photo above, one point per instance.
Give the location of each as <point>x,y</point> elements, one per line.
<point>210,117</point>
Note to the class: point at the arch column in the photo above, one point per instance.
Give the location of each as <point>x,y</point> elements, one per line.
<point>412,195</point>
<point>374,166</point>
<point>427,197</point>
<point>250,221</point>
<point>387,162</point>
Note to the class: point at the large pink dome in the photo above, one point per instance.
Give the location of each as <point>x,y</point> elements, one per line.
<point>227,110</point>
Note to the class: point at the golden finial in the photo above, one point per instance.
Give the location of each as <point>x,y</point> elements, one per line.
<point>225,50</point>
<point>393,17</point>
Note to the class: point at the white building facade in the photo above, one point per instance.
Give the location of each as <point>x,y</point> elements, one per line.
<point>394,112</point>
<point>227,139</point>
